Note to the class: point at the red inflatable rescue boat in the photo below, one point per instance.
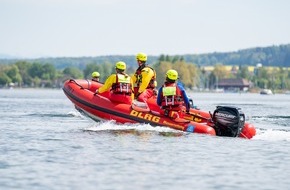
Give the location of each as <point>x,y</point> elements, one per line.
<point>225,121</point>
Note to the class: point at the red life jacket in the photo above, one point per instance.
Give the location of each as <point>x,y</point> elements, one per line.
<point>170,101</point>
<point>139,77</point>
<point>122,85</point>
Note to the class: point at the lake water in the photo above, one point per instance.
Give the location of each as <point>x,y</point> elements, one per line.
<point>46,144</point>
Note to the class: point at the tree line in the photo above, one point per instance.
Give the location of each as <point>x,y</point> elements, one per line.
<point>36,74</point>
<point>278,56</point>
<point>192,75</point>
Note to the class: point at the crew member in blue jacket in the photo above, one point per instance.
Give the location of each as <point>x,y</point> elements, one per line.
<point>172,96</point>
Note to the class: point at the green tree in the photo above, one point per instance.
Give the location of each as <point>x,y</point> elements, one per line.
<point>219,72</point>
<point>175,59</point>
<point>161,58</point>
<point>48,72</point>
<point>92,67</point>
<point>73,72</point>
<point>184,73</point>
<point>108,69</point>
<point>4,79</point>
<point>35,70</point>
<point>243,72</point>
<point>36,82</point>
<point>23,67</point>
<point>161,70</point>
<point>14,74</point>
<point>194,74</point>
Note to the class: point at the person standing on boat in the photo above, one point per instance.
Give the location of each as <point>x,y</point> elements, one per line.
<point>96,76</point>
<point>120,85</point>
<point>172,96</point>
<point>144,79</point>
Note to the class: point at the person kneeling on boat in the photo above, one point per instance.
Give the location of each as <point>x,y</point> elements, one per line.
<point>120,85</point>
<point>172,96</point>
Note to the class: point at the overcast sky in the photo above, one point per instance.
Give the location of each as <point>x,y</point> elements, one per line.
<point>35,28</point>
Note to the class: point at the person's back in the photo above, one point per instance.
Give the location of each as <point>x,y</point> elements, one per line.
<point>172,96</point>
<point>120,85</point>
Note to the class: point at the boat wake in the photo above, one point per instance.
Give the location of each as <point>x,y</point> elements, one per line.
<point>111,127</point>
<point>135,129</point>
<point>273,117</point>
<point>69,114</point>
<point>277,120</point>
<point>272,135</point>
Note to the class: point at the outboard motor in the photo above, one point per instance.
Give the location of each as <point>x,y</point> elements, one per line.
<point>228,121</point>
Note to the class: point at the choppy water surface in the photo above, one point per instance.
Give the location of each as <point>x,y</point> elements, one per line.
<point>46,144</point>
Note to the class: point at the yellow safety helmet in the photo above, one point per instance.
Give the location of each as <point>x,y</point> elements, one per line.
<point>95,74</point>
<point>141,56</point>
<point>121,65</point>
<point>172,74</point>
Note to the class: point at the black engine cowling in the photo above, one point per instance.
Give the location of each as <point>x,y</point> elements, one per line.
<point>229,121</point>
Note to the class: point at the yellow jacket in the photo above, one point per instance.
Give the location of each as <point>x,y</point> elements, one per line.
<point>110,81</point>
<point>144,78</point>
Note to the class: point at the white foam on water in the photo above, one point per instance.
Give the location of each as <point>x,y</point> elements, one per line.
<point>272,135</point>
<point>112,125</point>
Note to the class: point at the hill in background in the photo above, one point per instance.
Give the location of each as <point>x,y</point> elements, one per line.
<point>278,56</point>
